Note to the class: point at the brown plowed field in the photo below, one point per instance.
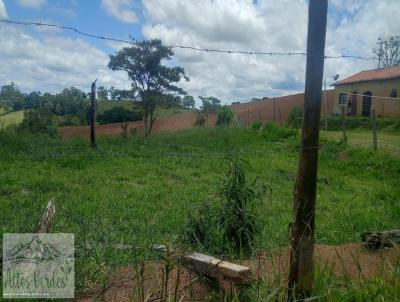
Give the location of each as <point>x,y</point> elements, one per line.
<point>273,109</point>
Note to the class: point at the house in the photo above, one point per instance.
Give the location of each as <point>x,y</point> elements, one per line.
<point>376,89</point>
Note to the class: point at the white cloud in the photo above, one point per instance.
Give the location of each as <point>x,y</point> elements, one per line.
<point>278,25</point>
<point>3,12</point>
<point>237,25</point>
<point>31,3</point>
<point>122,10</point>
<point>53,62</point>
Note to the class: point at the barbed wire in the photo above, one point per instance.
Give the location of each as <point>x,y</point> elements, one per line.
<point>200,49</point>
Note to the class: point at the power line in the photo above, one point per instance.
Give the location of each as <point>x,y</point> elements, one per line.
<point>200,49</point>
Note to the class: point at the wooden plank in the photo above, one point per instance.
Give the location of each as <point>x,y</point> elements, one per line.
<point>216,268</point>
<point>210,266</point>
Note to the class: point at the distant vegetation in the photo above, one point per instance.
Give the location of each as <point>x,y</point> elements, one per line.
<point>117,115</point>
<point>70,107</point>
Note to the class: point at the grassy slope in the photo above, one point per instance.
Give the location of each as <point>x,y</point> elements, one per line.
<point>123,191</point>
<point>14,117</point>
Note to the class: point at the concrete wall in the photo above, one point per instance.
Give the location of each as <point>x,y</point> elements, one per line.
<point>383,107</point>
<point>277,109</point>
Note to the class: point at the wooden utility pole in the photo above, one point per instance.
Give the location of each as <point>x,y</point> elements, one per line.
<point>300,281</point>
<point>92,115</point>
<point>325,109</point>
<point>274,112</point>
<point>374,136</point>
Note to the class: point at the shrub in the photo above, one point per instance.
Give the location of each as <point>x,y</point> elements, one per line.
<point>256,125</point>
<point>200,119</point>
<point>38,121</point>
<point>273,133</point>
<point>118,115</point>
<point>295,118</point>
<point>232,227</point>
<point>224,116</point>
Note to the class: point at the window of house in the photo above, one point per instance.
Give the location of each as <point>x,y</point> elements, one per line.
<point>343,99</point>
<point>393,93</point>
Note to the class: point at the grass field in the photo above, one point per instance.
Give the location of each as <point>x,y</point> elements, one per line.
<point>389,141</point>
<point>10,118</point>
<point>140,191</point>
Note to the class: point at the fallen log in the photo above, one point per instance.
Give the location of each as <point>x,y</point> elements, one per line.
<point>377,240</point>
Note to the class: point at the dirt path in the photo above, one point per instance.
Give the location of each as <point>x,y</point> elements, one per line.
<point>350,261</point>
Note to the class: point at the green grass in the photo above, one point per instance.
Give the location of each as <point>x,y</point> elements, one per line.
<point>107,105</point>
<point>140,191</point>
<point>10,118</point>
<point>389,141</point>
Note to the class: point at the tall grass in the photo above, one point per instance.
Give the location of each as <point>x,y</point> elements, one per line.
<point>139,191</point>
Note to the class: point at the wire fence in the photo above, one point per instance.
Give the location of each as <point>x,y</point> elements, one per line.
<point>187,47</point>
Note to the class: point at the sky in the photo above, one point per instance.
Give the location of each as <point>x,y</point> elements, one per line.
<point>37,58</point>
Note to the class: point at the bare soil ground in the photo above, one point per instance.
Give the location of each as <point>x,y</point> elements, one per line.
<point>172,123</point>
<point>347,261</point>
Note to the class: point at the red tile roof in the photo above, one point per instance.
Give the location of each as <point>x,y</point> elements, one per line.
<point>370,75</point>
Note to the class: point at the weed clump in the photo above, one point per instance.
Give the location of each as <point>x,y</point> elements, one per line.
<point>231,226</point>
<point>274,133</point>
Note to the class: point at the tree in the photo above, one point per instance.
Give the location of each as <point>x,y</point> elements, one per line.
<point>102,93</point>
<point>188,101</point>
<point>33,99</point>
<point>388,52</point>
<point>210,104</point>
<point>38,121</point>
<point>151,80</point>
<point>112,92</point>
<point>10,96</point>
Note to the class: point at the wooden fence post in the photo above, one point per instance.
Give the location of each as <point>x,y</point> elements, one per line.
<point>374,135</point>
<point>300,281</point>
<point>344,124</point>
<point>92,115</point>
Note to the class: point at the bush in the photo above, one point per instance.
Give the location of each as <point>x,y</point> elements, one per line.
<point>200,119</point>
<point>295,118</point>
<point>224,116</point>
<point>232,227</point>
<point>256,125</point>
<point>273,133</point>
<point>38,121</point>
<point>118,115</point>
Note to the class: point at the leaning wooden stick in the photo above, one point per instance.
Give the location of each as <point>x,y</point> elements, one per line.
<point>47,218</point>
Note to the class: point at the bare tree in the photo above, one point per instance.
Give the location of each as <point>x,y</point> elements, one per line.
<point>388,52</point>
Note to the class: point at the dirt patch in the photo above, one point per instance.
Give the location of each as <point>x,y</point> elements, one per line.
<point>351,261</point>
<point>162,124</point>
